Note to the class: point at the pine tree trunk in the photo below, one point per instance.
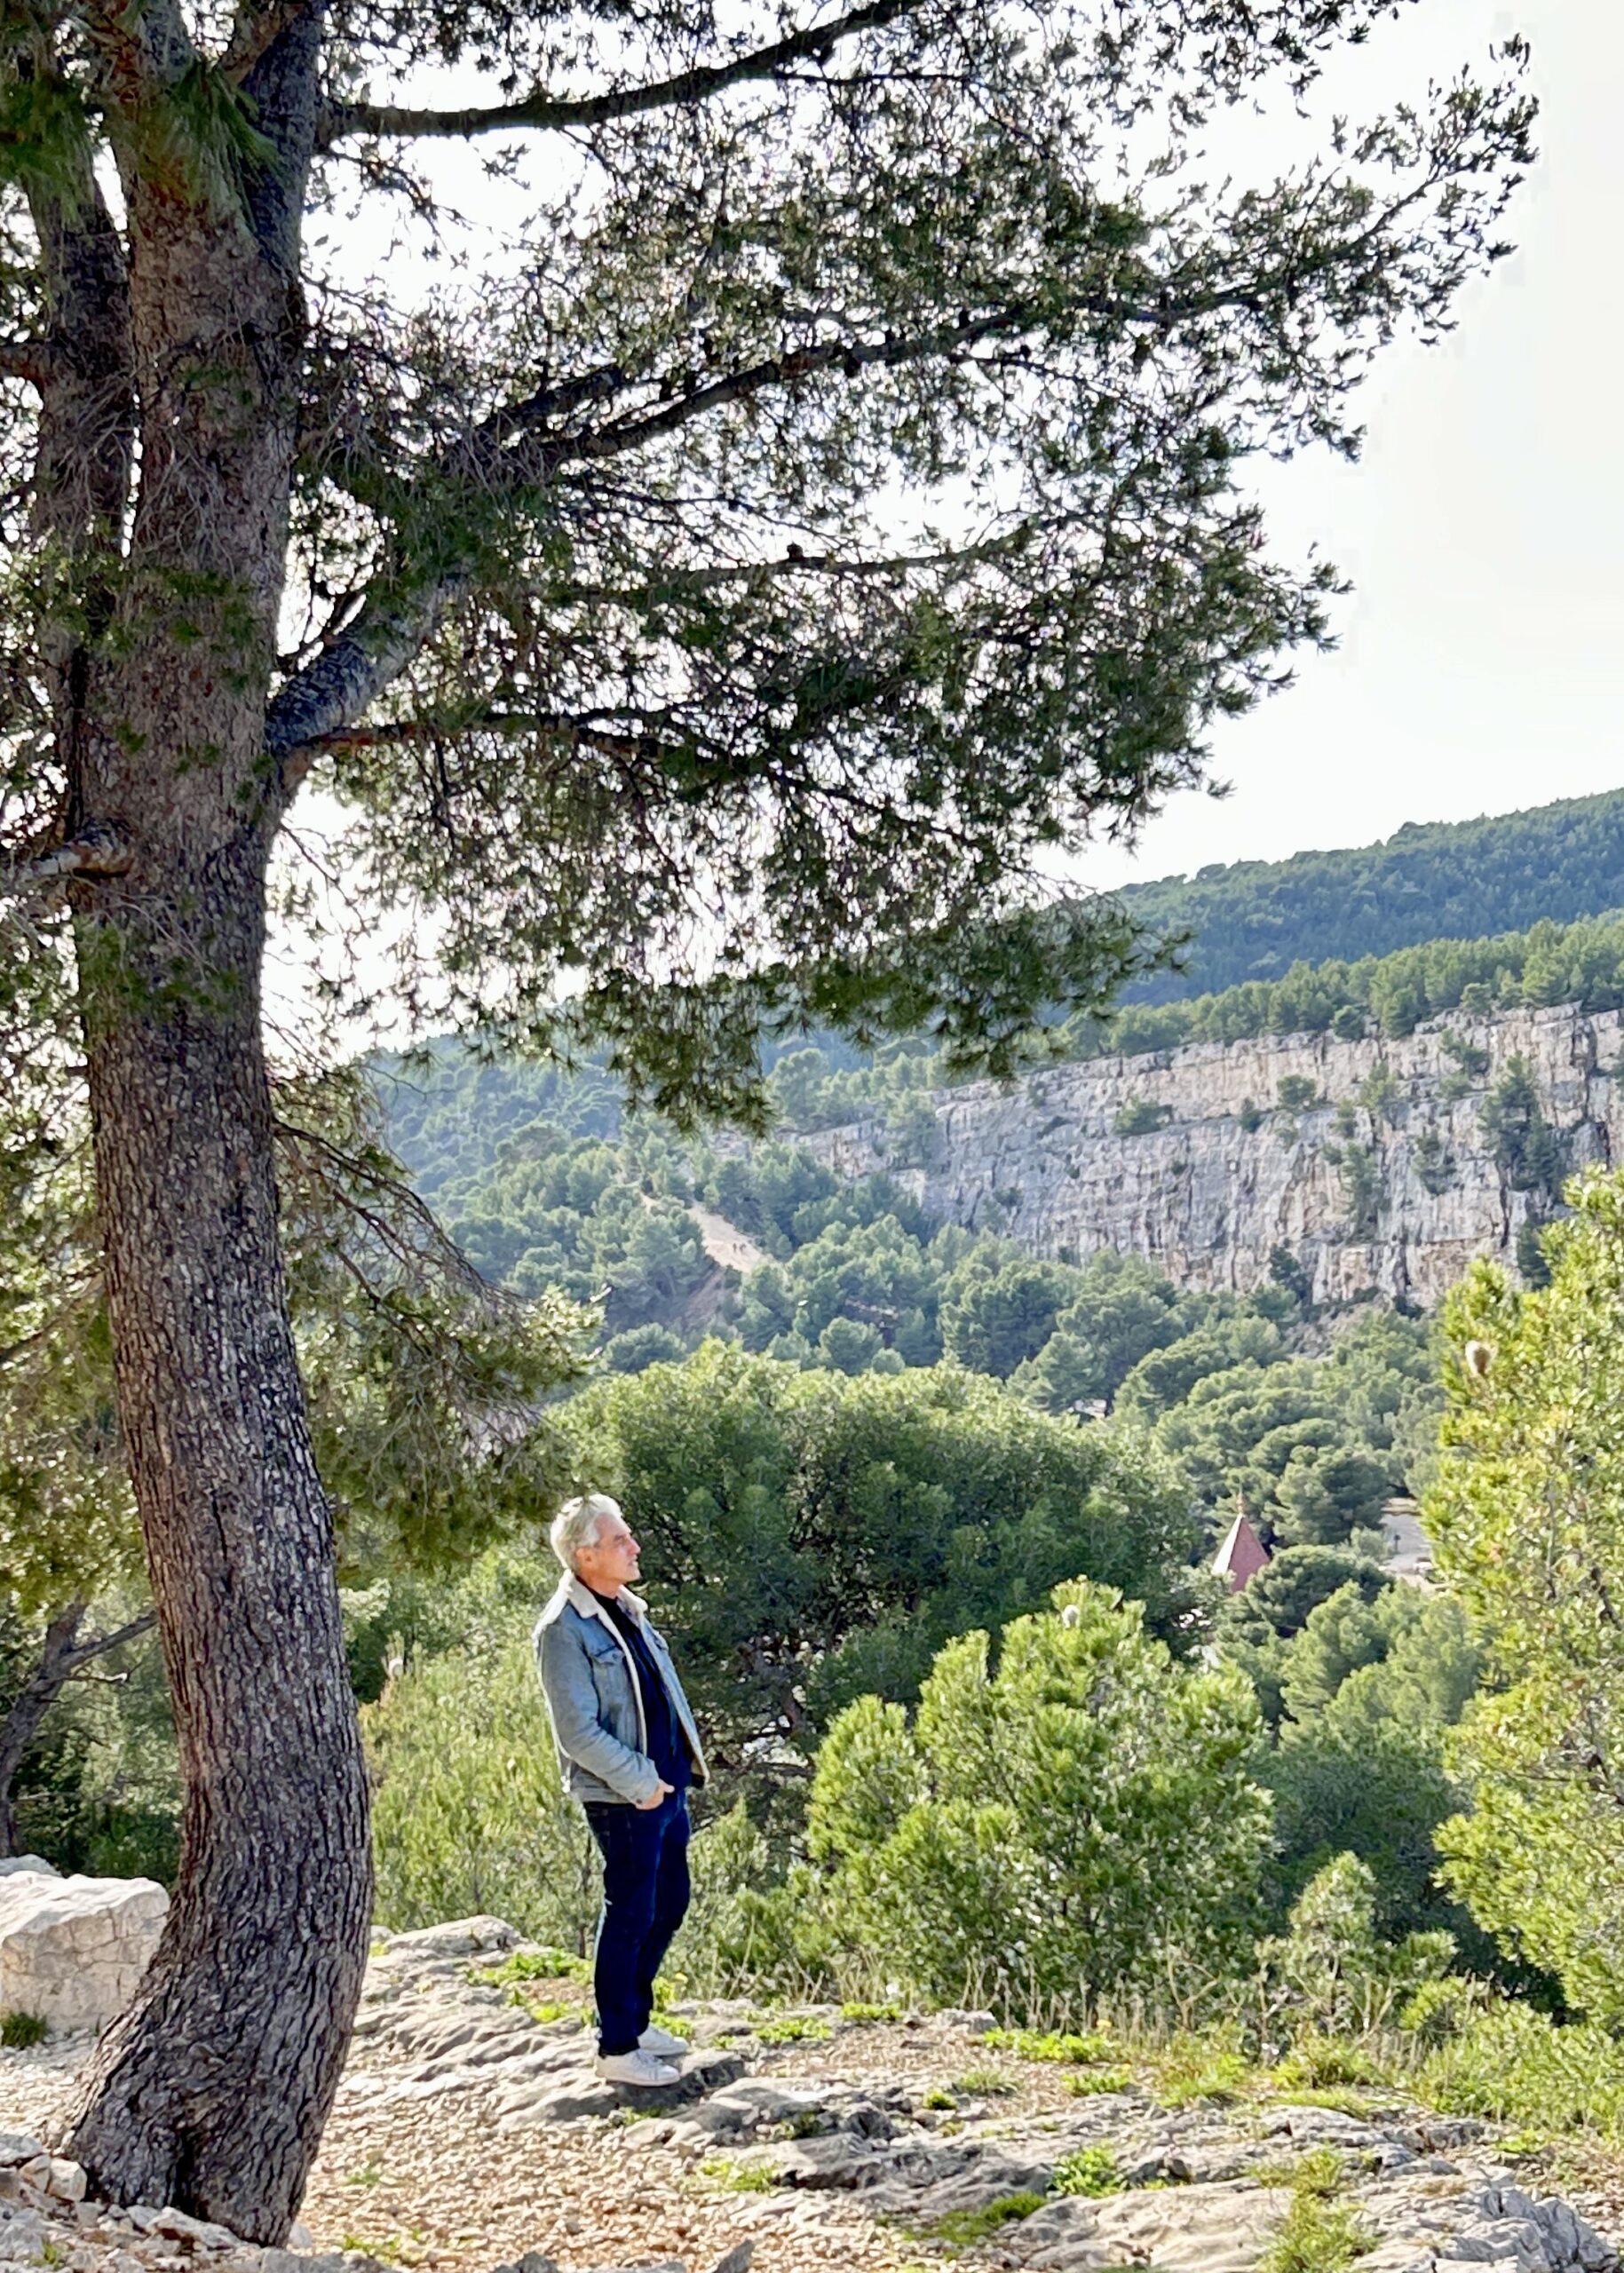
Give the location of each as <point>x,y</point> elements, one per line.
<point>211,2092</point>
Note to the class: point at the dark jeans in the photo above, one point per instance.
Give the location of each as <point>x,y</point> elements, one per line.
<point>646,1898</point>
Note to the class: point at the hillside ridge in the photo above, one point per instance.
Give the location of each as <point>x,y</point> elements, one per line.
<point>1500,872</point>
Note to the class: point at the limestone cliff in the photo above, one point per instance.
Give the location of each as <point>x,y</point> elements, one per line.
<point>1211,1193</point>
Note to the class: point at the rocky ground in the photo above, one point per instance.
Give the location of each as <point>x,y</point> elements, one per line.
<point>471,2133</point>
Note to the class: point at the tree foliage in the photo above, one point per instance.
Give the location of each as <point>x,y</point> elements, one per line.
<point>1075,1818</point>
<point>810,1537</point>
<point>1528,1516</point>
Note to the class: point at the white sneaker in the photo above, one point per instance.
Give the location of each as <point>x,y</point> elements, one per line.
<point>656,2039</point>
<point>637,2067</point>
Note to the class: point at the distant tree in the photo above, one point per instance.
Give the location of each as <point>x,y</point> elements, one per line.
<point>859,1522</point>
<point>1078,1817</point>
<point>1325,1495</point>
<point>1279,1600</point>
<point>1521,1140</point>
<point>1370,1686</point>
<point>995,1314</point>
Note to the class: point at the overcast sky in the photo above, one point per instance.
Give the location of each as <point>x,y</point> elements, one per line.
<point>1481,663</point>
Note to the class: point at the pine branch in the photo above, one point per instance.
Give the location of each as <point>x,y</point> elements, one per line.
<point>555,113</point>
<point>99,853</point>
<point>98,1644</point>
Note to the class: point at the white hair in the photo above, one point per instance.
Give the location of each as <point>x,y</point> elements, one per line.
<point>578,1522</point>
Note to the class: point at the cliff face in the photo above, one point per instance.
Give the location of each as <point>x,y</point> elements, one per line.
<point>1398,1201</point>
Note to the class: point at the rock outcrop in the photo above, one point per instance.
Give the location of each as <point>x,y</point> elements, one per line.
<point>73,1949</point>
<point>1223,1173</point>
<point>849,2143</point>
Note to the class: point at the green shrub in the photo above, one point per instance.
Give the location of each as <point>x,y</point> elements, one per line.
<point>1091,2171</point>
<point>1516,2065</point>
<point>936,2097</point>
<point>1194,2069</point>
<point>469,1815</point>
<point>1141,1117</point>
<point>1334,1975</point>
<point>1071,1821</point>
<point>19,2031</point>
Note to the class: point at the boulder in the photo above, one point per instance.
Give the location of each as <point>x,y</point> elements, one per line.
<point>458,1937</point>
<point>73,1949</point>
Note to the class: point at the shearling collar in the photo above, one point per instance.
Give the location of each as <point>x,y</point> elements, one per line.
<point>579,1597</point>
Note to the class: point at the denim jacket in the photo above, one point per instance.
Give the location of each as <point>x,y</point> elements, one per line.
<point>590,1685</point>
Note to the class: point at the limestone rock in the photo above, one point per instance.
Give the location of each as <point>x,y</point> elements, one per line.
<point>1209,1198</point>
<point>1185,2230</point>
<point>459,1937</point>
<point>73,1949</point>
<point>36,1863</point>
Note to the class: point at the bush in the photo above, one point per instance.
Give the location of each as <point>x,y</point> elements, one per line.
<point>1516,2065</point>
<point>469,1815</point>
<point>1331,1974</point>
<point>1071,1823</point>
<point>1528,1517</point>
<point>1141,1117</point>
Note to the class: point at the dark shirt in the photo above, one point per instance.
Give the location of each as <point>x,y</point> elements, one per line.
<point>667,1746</point>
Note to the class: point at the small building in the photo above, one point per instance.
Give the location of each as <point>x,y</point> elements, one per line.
<point>1241,1556</point>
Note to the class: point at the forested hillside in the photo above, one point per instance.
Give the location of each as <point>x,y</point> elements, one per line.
<point>1440,880</point>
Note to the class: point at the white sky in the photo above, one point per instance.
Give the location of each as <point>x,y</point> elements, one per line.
<point>1481,663</point>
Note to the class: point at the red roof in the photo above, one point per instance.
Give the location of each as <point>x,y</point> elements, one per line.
<point>1241,1556</point>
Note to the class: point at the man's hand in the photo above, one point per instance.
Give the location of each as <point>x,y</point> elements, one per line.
<point>661,1792</point>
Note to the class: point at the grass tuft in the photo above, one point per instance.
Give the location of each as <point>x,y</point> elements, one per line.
<point>20,2030</point>
<point>984,2083</point>
<point>791,2028</point>
<point>1095,2081</point>
<point>1318,2233</point>
<point>533,1965</point>
<point>737,2178</point>
<point>1049,2044</point>
<point>965,2227</point>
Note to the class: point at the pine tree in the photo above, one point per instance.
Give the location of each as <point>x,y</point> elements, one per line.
<point>585,586</point>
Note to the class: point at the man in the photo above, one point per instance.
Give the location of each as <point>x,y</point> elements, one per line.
<point>629,1749</point>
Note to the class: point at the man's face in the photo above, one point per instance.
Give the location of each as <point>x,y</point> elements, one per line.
<point>611,1562</point>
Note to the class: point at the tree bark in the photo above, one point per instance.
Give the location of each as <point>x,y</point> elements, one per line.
<point>210,2093</point>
